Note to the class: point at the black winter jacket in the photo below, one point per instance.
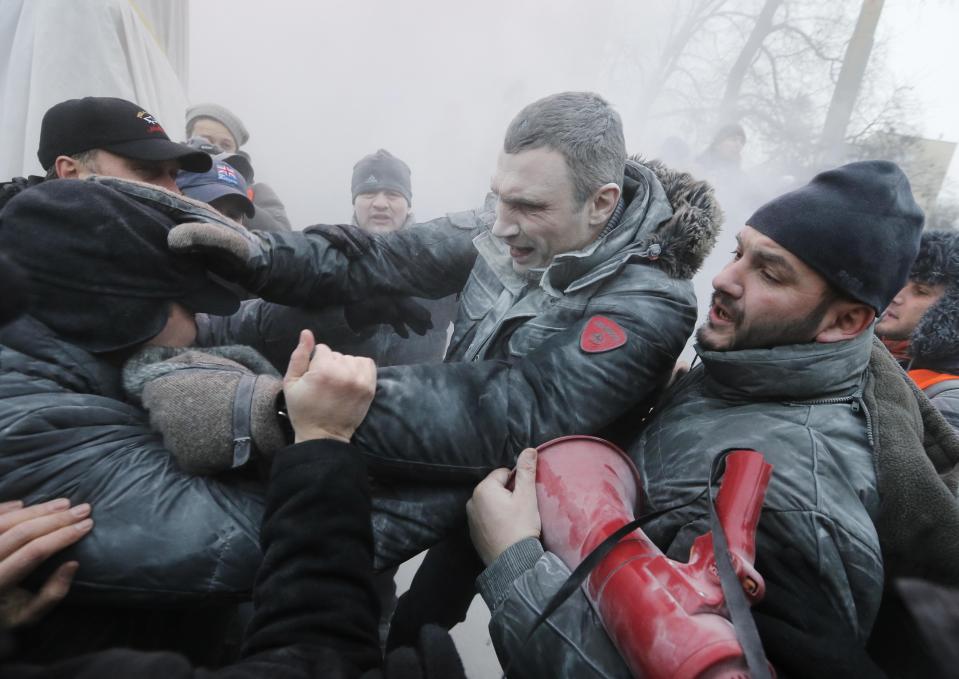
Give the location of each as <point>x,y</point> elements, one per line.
<point>316,610</point>
<point>161,534</point>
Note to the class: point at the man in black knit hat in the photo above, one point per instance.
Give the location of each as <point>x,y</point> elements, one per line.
<point>382,193</point>
<point>789,367</point>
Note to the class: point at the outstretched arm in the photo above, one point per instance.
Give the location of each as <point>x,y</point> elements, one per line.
<point>338,265</point>
<point>460,420</point>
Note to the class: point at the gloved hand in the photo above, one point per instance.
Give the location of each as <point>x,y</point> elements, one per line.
<point>213,412</point>
<point>231,252</point>
<point>352,241</point>
<point>229,249</point>
<point>401,312</point>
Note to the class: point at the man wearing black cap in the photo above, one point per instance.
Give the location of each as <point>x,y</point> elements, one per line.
<point>113,138</point>
<point>789,367</point>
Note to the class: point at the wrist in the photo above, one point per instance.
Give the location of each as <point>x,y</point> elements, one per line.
<point>316,434</point>
<point>494,582</point>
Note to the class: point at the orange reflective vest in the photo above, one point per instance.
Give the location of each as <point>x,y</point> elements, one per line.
<point>926,378</point>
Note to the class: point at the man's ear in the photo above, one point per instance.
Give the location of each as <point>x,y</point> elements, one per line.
<point>67,167</point>
<point>850,319</point>
<point>602,204</point>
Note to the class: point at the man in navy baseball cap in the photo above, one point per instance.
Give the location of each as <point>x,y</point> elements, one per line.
<point>112,137</point>
<point>222,186</point>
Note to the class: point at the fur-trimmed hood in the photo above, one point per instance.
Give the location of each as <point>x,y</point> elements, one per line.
<point>935,341</point>
<point>689,235</point>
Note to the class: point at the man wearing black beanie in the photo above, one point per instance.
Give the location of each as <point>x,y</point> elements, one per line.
<point>837,249</point>
<point>789,367</point>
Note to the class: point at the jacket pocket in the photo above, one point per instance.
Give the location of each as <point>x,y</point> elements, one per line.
<point>530,336</point>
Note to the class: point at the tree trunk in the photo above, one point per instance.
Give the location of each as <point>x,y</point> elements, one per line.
<point>850,80</point>
<point>728,108</point>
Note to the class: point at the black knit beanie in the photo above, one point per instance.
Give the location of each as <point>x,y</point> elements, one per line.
<point>858,226</point>
<point>382,171</point>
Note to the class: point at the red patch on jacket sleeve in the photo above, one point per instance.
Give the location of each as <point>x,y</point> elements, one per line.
<point>601,334</point>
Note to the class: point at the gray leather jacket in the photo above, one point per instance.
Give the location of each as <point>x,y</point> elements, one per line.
<point>516,374</point>
<point>802,407</point>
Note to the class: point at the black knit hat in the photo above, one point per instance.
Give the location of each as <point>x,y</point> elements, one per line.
<point>101,274</point>
<point>858,226</point>
<point>382,171</point>
<point>112,124</point>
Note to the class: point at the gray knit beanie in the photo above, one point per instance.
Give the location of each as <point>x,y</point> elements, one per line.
<point>222,115</point>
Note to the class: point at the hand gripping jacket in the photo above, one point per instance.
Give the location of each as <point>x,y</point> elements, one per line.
<point>667,619</point>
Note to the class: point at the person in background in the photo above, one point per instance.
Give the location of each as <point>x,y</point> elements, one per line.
<point>920,327</point>
<point>222,128</point>
<point>223,187</point>
<point>383,203</point>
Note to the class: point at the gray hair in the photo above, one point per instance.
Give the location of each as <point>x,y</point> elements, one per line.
<point>584,128</point>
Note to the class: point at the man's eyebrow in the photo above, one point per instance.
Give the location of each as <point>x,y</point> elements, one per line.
<point>776,261</point>
<point>519,201</point>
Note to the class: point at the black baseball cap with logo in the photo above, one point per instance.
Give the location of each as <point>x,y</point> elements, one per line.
<point>114,125</point>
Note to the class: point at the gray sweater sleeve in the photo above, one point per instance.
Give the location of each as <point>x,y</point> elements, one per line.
<point>571,643</point>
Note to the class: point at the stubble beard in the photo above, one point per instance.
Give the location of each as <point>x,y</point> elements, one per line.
<point>763,333</point>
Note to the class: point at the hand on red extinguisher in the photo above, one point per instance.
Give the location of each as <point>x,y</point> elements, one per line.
<point>500,517</point>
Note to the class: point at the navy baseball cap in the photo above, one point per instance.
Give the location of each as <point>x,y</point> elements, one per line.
<point>220,180</point>
<point>115,125</point>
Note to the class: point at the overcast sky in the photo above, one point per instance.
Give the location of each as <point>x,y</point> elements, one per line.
<point>435,82</point>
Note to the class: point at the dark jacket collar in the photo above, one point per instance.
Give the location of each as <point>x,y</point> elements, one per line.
<point>795,372</point>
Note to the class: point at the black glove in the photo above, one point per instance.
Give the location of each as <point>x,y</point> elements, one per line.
<point>352,241</point>
<point>400,312</point>
<point>434,657</point>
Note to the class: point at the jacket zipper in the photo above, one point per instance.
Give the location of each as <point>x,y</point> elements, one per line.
<point>855,402</point>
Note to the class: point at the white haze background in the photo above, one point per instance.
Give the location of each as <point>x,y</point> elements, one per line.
<point>320,84</point>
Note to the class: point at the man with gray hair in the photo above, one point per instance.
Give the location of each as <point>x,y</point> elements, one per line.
<point>574,302</point>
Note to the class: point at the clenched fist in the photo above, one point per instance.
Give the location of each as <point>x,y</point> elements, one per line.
<point>328,394</point>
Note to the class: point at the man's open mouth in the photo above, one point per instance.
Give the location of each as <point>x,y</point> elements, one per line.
<point>519,253</point>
